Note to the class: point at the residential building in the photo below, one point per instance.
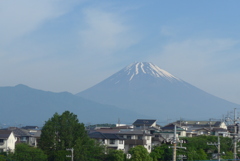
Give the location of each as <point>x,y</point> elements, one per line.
<point>201,124</point>
<point>7,141</point>
<point>136,137</point>
<point>111,141</point>
<point>24,136</point>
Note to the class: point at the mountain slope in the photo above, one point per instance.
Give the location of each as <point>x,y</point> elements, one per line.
<point>143,87</point>
<point>27,106</point>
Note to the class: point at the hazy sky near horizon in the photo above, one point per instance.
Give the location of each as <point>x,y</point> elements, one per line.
<point>59,45</point>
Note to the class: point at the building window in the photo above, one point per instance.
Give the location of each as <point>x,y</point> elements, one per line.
<point>149,147</point>
<point>120,141</point>
<point>23,138</point>
<point>1,141</point>
<point>129,137</point>
<point>112,141</point>
<point>139,137</point>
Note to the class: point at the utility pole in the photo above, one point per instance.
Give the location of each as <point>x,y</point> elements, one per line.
<point>218,146</point>
<point>71,153</point>
<point>175,145</point>
<point>234,136</point>
<point>233,122</point>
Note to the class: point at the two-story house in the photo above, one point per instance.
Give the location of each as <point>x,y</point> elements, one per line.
<point>136,137</point>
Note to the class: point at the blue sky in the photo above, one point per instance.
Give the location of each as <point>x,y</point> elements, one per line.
<point>59,45</point>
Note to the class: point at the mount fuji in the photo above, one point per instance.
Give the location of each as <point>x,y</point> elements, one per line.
<point>149,90</point>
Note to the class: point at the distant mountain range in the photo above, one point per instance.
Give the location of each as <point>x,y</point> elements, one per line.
<point>140,90</point>
<point>22,105</point>
<point>145,88</point>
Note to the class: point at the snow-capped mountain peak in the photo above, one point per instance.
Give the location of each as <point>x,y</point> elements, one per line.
<point>147,68</point>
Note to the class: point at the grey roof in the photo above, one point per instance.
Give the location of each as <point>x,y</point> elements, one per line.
<point>4,134</point>
<point>19,132</point>
<point>145,122</point>
<point>171,127</point>
<point>133,132</point>
<point>99,135</point>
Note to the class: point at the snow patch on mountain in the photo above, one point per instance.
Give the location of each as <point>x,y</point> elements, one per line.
<point>148,68</point>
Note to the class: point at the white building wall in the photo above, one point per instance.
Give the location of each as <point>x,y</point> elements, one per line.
<point>223,125</point>
<point>9,144</point>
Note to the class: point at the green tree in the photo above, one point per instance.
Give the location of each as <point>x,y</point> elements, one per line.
<point>198,145</point>
<point>3,157</point>
<point>115,155</point>
<point>161,153</point>
<point>24,152</point>
<point>228,155</point>
<point>139,153</point>
<point>64,131</point>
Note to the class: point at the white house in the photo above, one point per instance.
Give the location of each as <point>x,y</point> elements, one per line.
<point>7,141</point>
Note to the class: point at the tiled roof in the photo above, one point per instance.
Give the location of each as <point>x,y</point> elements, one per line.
<point>99,135</point>
<point>145,122</point>
<point>4,134</point>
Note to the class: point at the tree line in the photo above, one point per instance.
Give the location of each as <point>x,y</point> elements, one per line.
<point>62,132</point>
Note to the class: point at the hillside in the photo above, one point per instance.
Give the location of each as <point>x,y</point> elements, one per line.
<point>145,88</point>
<point>27,106</point>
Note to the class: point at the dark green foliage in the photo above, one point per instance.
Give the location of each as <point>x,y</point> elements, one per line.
<point>199,154</point>
<point>197,148</point>
<point>115,155</point>
<point>64,131</point>
<point>139,153</point>
<point>161,153</point>
<point>24,152</point>
<point>228,155</point>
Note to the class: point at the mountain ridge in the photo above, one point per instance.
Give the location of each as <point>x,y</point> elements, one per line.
<point>24,105</point>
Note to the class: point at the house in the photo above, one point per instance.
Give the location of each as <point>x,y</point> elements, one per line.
<point>200,124</point>
<point>163,137</point>
<point>181,132</point>
<point>197,132</point>
<point>7,141</point>
<point>24,136</point>
<point>136,137</point>
<point>111,141</point>
<point>207,131</point>
<point>195,128</point>
<point>233,127</point>
<point>220,132</point>
<point>132,136</point>
<point>144,123</point>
